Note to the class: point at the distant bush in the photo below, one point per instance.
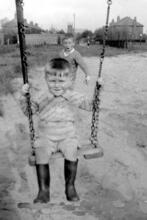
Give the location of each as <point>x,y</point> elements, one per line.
<point>6,77</point>
<point>7,49</point>
<point>87,34</point>
<point>17,68</point>
<point>99,34</point>
<point>5,87</point>
<point>10,38</point>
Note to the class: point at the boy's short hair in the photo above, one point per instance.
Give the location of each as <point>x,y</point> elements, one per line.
<point>68,36</point>
<point>57,64</point>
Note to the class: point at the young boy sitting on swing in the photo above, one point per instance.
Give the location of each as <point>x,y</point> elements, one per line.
<point>56,127</point>
<point>73,57</point>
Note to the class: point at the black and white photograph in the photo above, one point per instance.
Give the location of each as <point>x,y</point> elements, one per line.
<point>73,110</point>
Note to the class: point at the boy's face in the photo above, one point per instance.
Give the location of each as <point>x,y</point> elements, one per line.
<point>58,81</point>
<point>68,44</point>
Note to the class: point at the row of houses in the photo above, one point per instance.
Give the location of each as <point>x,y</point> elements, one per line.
<point>31,39</point>
<point>125,29</point>
<point>34,34</point>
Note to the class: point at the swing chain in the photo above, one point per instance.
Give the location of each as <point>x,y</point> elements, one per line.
<point>96,100</point>
<point>22,43</point>
<point>109,2</point>
<point>21,2</point>
<point>31,124</point>
<point>95,115</point>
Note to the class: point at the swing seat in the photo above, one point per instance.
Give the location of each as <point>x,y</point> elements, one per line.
<point>88,152</point>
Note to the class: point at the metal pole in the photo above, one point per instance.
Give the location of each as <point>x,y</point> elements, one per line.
<point>22,43</point>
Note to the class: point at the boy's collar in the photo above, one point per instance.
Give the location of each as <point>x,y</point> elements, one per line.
<point>65,95</point>
<point>67,53</point>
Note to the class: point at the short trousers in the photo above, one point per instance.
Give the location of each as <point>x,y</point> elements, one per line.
<point>46,147</point>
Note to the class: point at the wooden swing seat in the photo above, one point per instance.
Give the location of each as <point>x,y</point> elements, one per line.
<point>88,152</point>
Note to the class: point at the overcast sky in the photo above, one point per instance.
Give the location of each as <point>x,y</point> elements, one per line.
<point>89,14</point>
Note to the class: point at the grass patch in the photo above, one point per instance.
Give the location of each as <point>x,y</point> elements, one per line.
<point>5,82</point>
<point>7,49</point>
<point>17,69</point>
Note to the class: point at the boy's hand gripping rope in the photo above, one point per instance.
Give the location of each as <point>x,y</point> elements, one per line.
<point>24,65</point>
<point>96,100</point>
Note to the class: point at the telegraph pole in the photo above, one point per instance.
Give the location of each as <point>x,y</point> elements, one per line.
<point>74,19</point>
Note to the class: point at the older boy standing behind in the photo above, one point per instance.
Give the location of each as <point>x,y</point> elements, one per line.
<point>73,57</point>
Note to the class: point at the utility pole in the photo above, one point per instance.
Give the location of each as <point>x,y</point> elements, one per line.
<point>74,19</point>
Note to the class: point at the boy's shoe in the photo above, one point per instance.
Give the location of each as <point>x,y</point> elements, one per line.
<point>70,170</point>
<point>43,176</point>
<point>42,197</point>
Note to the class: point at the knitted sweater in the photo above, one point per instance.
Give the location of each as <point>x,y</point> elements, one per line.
<point>75,59</point>
<point>56,114</point>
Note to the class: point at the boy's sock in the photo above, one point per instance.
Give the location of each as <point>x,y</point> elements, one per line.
<point>70,170</point>
<point>43,176</point>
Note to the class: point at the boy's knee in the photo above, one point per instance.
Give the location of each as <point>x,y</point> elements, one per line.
<point>71,153</point>
<point>69,148</point>
<point>43,150</point>
<point>42,155</point>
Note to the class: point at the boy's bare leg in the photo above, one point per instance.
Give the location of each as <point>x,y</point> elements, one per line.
<point>70,170</point>
<point>43,176</point>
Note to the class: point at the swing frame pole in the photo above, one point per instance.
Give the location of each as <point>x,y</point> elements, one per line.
<point>102,55</point>
<point>24,66</point>
<point>22,42</point>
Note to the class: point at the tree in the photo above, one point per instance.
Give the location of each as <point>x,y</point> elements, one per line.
<point>87,34</point>
<point>99,34</point>
<point>61,31</point>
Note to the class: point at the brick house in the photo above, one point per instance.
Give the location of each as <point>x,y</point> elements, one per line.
<point>125,29</point>
<point>33,34</point>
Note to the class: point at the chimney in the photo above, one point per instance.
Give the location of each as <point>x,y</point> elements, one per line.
<point>112,22</point>
<point>135,20</point>
<point>118,18</point>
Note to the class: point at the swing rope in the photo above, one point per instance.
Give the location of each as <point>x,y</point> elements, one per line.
<point>96,102</point>
<point>24,64</point>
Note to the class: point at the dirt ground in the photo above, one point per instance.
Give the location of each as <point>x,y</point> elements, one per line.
<point>111,188</point>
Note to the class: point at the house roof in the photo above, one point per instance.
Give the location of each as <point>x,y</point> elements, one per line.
<point>126,21</point>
